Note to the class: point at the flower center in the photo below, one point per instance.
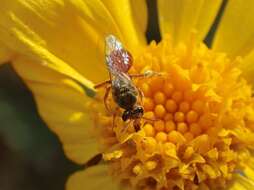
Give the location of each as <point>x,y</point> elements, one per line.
<point>198,121</point>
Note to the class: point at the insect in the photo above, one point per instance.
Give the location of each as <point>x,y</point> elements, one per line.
<point>124,92</point>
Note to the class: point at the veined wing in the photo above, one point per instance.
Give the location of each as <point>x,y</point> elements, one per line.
<point>112,44</point>
<point>120,80</point>
<point>117,58</point>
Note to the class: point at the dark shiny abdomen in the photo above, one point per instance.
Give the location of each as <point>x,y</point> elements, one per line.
<point>125,96</point>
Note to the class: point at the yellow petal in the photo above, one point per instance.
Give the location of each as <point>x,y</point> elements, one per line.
<point>241,183</point>
<point>180,18</point>
<point>114,17</point>
<point>30,29</point>
<point>140,14</point>
<point>62,104</point>
<point>248,166</point>
<point>237,186</point>
<point>235,34</point>
<point>92,178</point>
<point>67,35</point>
<point>56,41</point>
<point>249,172</point>
<point>247,67</point>
<point>131,17</point>
<point>5,54</point>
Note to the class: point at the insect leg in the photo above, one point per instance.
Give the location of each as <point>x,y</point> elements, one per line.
<point>106,97</point>
<point>146,74</point>
<point>126,126</point>
<point>102,84</point>
<point>136,124</point>
<point>141,95</point>
<point>115,113</point>
<point>113,122</point>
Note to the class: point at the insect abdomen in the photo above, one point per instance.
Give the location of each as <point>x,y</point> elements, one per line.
<point>125,97</point>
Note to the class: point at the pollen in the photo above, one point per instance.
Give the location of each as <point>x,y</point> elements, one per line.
<point>179,116</point>
<point>182,127</point>
<point>137,169</point>
<point>197,126</point>
<point>159,98</point>
<point>177,96</point>
<point>171,106</point>
<point>149,130</point>
<point>170,126</point>
<point>146,89</point>
<point>184,106</point>
<point>150,165</point>
<point>168,89</point>
<point>159,125</point>
<point>148,104</point>
<point>191,116</point>
<point>159,111</point>
<point>161,137</point>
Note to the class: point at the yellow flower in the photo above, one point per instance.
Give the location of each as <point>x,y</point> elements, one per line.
<point>203,133</point>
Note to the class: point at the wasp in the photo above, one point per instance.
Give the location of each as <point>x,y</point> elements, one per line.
<point>125,94</point>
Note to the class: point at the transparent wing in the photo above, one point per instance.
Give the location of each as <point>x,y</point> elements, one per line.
<point>121,79</point>
<point>117,58</point>
<point>112,44</point>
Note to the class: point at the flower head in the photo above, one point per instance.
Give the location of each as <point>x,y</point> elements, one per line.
<point>200,121</point>
<point>197,130</point>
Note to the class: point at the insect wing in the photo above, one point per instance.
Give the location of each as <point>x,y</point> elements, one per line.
<point>112,44</point>
<point>122,79</point>
<point>117,58</point>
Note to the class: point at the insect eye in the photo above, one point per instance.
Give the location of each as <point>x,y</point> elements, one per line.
<point>140,110</point>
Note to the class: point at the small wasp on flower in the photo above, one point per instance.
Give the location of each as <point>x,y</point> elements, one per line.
<point>124,92</point>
